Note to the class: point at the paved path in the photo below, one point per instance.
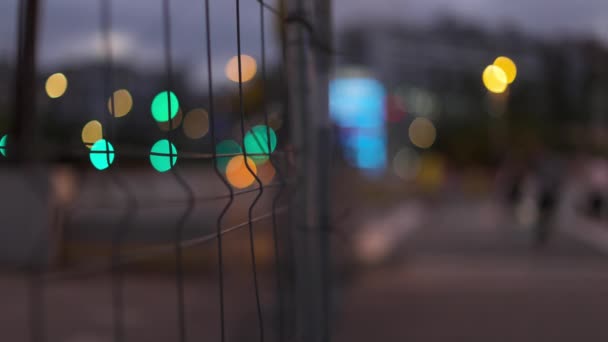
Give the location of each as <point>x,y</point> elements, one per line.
<point>468,275</point>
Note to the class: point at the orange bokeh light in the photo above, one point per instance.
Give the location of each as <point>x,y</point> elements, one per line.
<point>266,172</point>
<point>248,68</point>
<point>237,173</point>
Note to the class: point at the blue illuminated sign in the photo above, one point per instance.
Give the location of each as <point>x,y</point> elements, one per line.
<point>357,106</point>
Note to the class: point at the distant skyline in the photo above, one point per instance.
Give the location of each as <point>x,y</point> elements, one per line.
<point>549,18</point>
<point>70,28</point>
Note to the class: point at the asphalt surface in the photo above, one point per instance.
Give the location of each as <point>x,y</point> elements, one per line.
<point>462,271</point>
<point>470,273</point>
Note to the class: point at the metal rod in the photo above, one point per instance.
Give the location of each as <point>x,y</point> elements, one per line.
<point>310,129</point>
<point>25,92</point>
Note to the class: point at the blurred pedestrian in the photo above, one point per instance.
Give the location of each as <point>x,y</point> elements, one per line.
<point>548,170</point>
<point>596,176</point>
<point>512,179</point>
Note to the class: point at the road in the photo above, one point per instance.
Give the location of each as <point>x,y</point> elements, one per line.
<point>461,271</point>
<point>468,274</point>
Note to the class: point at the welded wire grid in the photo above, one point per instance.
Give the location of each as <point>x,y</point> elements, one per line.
<point>43,278</point>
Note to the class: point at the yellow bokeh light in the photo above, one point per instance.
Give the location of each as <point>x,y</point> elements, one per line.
<point>56,85</point>
<point>422,132</point>
<point>123,103</point>
<point>248,68</point>
<point>266,172</point>
<point>175,122</point>
<point>508,66</point>
<point>495,79</point>
<point>237,173</point>
<point>405,163</point>
<point>196,123</point>
<point>431,172</point>
<point>91,132</point>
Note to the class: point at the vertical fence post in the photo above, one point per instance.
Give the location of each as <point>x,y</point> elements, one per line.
<point>308,59</point>
<point>23,131</point>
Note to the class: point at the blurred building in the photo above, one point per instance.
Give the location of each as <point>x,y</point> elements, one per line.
<point>436,71</point>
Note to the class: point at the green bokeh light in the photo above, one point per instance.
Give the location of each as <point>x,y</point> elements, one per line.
<point>256,142</point>
<point>226,147</point>
<point>163,155</point>
<point>3,145</point>
<point>102,154</point>
<point>160,106</point>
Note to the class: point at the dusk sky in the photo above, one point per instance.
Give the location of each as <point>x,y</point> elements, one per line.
<point>535,16</point>
<point>70,28</point>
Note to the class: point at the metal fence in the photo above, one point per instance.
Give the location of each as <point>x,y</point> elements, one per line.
<point>94,232</point>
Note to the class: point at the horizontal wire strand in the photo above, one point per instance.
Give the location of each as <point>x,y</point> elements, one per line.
<point>95,268</point>
<point>183,155</point>
<point>148,205</point>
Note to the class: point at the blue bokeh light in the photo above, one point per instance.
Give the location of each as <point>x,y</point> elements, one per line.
<point>357,106</point>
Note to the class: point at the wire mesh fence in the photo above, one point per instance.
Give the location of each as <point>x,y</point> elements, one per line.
<point>206,200</point>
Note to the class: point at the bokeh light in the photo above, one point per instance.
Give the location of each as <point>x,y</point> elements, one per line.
<point>495,79</point>
<point>123,103</point>
<point>163,155</point>
<point>357,106</point>
<point>237,173</point>
<point>102,154</point>
<point>418,101</point>
<point>248,68</point>
<point>56,85</point>
<point>3,144</point>
<point>395,108</point>
<point>175,122</point>
<point>431,173</point>
<point>91,133</point>
<point>366,152</point>
<point>226,147</point>
<point>357,102</point>
<point>508,66</point>
<point>422,132</point>
<point>196,123</point>
<point>160,106</point>
<point>405,163</point>
<point>266,172</point>
<point>256,142</point>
